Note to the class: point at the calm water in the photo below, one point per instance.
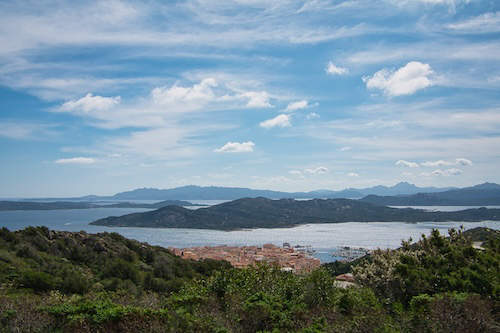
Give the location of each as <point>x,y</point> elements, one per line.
<point>323,237</point>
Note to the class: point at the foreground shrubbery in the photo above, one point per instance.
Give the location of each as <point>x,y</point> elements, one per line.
<point>412,289</point>
<point>44,260</point>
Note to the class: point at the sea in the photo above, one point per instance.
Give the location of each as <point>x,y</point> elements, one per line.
<point>325,238</point>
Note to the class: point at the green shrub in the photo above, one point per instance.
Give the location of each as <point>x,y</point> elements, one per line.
<point>74,282</point>
<point>38,281</point>
<point>121,269</point>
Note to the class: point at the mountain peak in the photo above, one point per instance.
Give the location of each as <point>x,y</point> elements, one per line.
<point>487,186</point>
<point>404,185</point>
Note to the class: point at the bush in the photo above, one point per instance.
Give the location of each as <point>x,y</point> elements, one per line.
<point>452,312</point>
<point>38,281</point>
<point>73,282</point>
<point>121,269</point>
<point>433,265</point>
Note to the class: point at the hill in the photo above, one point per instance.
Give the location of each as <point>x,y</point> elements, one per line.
<point>479,195</point>
<point>77,282</point>
<point>481,234</point>
<point>267,213</point>
<point>76,262</point>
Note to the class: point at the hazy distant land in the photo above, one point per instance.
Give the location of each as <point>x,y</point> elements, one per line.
<point>29,205</point>
<point>192,192</point>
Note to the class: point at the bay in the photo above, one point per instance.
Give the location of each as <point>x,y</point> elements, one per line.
<point>324,238</point>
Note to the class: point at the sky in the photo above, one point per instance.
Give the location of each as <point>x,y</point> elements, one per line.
<point>98,97</point>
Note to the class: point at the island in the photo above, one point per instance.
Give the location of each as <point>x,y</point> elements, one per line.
<point>56,205</point>
<point>266,213</point>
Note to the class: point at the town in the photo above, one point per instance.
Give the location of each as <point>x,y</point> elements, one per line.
<point>289,259</point>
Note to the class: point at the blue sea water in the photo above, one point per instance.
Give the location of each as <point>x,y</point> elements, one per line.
<point>324,238</point>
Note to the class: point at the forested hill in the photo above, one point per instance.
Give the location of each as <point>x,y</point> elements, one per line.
<point>77,262</point>
<point>479,195</point>
<point>267,213</point>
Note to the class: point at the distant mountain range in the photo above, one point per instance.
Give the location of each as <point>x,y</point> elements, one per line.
<point>267,213</point>
<point>480,195</point>
<point>193,192</point>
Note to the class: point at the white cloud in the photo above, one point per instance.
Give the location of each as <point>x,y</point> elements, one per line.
<point>406,80</point>
<point>440,163</point>
<point>345,148</point>
<point>165,105</point>
<point>294,106</point>
<point>90,103</point>
<point>352,174</point>
<point>209,92</point>
<point>446,172</point>
<point>76,160</point>
<point>236,147</point>
<point>463,161</point>
<point>257,99</point>
<point>318,170</point>
<point>200,93</point>
<point>453,172</point>
<point>407,164</point>
<point>312,115</point>
<point>335,70</point>
<point>281,120</point>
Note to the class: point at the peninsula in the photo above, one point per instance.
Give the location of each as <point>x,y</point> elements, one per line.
<point>267,213</point>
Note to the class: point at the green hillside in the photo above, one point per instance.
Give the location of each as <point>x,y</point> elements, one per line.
<point>75,282</point>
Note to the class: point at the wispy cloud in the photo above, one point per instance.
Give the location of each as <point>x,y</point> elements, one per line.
<point>90,103</point>
<point>299,105</point>
<point>317,170</point>
<point>440,172</point>
<point>27,130</point>
<point>236,147</point>
<point>407,164</point>
<point>440,163</point>
<point>484,23</point>
<point>76,160</point>
<point>282,120</point>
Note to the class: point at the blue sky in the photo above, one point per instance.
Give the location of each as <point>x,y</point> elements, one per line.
<point>104,96</point>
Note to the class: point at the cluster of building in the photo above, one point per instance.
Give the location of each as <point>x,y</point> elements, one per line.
<point>286,257</point>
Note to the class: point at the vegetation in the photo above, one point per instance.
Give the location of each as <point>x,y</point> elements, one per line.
<point>41,260</point>
<point>267,213</point>
<point>438,284</point>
